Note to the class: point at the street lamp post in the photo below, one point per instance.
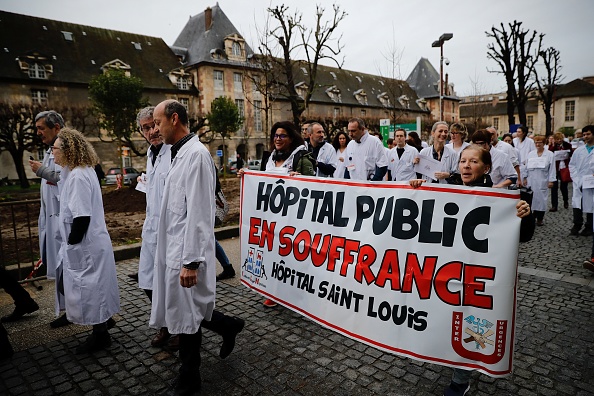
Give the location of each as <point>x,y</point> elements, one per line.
<point>439,43</point>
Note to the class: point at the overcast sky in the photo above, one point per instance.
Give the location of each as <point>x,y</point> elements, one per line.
<point>369,31</point>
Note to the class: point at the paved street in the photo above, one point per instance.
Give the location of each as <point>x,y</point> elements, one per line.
<point>281,353</point>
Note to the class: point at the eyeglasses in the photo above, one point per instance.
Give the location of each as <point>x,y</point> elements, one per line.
<point>281,136</point>
<point>148,127</point>
<point>55,148</point>
<point>482,143</point>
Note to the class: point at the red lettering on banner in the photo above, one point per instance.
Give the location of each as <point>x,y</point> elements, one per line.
<point>389,270</point>
<point>303,239</point>
<point>348,257</point>
<point>450,271</point>
<point>319,252</point>
<point>285,242</point>
<point>267,235</point>
<point>472,285</point>
<point>421,277</point>
<point>253,234</point>
<point>334,253</point>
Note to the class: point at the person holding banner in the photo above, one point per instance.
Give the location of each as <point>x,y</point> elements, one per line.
<point>540,175</point>
<point>474,166</point>
<point>440,152</point>
<point>401,158</point>
<point>562,151</point>
<point>289,156</point>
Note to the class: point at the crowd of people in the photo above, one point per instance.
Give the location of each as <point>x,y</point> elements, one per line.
<point>177,261</point>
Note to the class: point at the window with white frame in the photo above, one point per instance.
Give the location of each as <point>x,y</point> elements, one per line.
<point>570,110</point>
<point>363,113</point>
<point>236,48</point>
<point>336,112</point>
<point>237,82</point>
<point>39,96</point>
<point>185,102</point>
<point>219,84</point>
<point>37,71</point>
<point>530,122</point>
<point>240,107</point>
<point>258,115</point>
<point>183,83</point>
<point>496,122</point>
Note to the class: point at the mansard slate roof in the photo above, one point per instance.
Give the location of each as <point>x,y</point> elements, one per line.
<point>196,43</point>
<point>577,87</point>
<point>348,82</point>
<point>424,79</point>
<point>72,61</point>
<point>493,108</point>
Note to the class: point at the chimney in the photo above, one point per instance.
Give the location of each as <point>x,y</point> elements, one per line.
<point>207,18</point>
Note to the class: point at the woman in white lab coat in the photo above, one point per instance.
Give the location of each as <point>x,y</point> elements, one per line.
<point>440,152</point>
<point>90,282</point>
<point>540,175</point>
<point>524,145</point>
<point>340,142</point>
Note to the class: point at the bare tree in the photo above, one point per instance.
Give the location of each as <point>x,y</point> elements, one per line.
<point>316,44</point>
<point>512,51</point>
<point>546,84</point>
<point>477,108</point>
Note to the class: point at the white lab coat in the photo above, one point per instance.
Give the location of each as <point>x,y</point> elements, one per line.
<point>580,165</point>
<point>287,165</point>
<point>524,148</point>
<point>539,178</point>
<point>90,281</point>
<point>155,175</point>
<point>49,221</point>
<point>185,235</point>
<point>501,167</point>
<point>362,158</point>
<point>510,150</point>
<point>449,161</point>
<point>402,169</point>
<point>326,155</point>
<point>340,165</point>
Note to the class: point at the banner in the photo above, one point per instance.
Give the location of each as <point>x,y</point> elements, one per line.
<point>427,273</point>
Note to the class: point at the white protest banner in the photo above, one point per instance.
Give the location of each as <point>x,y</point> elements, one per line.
<point>427,273</point>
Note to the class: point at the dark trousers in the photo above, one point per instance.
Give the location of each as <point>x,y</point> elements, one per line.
<point>13,288</point>
<point>578,219</point>
<point>538,215</point>
<point>189,355</point>
<point>554,193</point>
<point>217,324</point>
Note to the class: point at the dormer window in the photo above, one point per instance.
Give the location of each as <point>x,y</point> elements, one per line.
<point>334,94</point>
<point>118,65</point>
<point>361,96</point>
<point>301,89</point>
<point>384,99</point>
<point>37,71</point>
<point>236,49</point>
<point>404,101</point>
<point>183,83</point>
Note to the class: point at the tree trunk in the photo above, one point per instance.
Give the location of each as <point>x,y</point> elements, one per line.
<point>548,120</point>
<point>510,110</point>
<point>17,157</point>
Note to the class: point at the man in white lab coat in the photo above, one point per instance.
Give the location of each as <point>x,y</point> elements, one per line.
<point>157,167</point>
<point>322,152</point>
<point>582,200</point>
<point>48,124</point>
<point>401,158</point>
<point>365,155</point>
<point>184,280</point>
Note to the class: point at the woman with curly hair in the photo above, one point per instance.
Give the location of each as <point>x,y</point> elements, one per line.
<point>90,283</point>
<point>340,142</point>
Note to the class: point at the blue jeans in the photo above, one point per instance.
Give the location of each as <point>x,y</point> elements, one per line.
<point>221,256</point>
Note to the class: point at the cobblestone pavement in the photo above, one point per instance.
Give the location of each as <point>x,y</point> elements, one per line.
<point>281,353</point>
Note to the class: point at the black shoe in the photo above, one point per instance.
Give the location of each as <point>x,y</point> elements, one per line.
<point>187,388</point>
<point>553,210</point>
<point>60,322</point>
<point>575,230</point>
<point>587,231</point>
<point>134,277</point>
<point>20,310</point>
<point>235,325</point>
<point>95,342</point>
<point>228,273</point>
<point>566,205</point>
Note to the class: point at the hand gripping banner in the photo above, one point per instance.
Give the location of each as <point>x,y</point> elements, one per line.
<point>427,273</point>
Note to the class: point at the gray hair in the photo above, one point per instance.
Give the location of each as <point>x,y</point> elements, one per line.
<point>439,123</point>
<point>51,118</point>
<point>147,112</point>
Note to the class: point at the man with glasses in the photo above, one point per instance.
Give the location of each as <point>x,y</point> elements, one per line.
<point>48,124</point>
<point>366,158</point>
<point>502,172</point>
<point>322,152</point>
<point>507,149</point>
